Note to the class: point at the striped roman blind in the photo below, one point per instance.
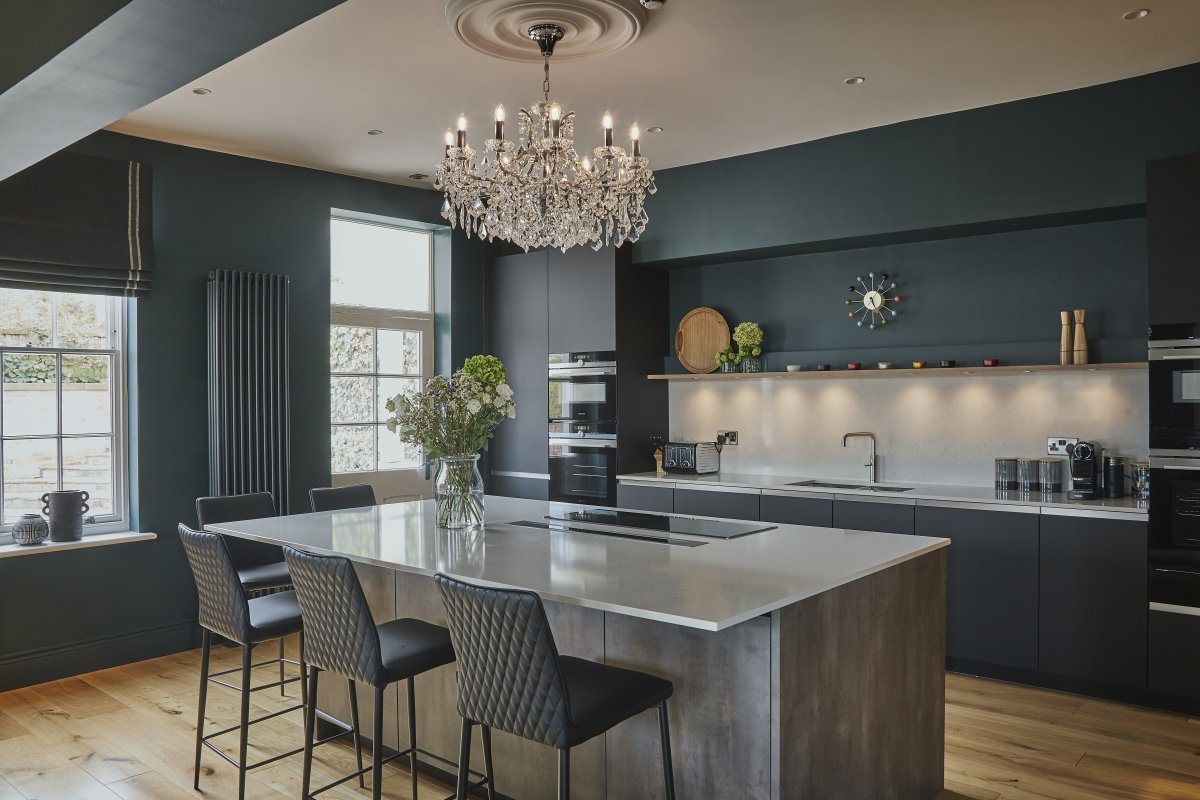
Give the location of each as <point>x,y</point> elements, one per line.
<point>77,223</point>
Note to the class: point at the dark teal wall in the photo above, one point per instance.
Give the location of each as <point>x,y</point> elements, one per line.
<point>210,211</point>
<point>992,219</point>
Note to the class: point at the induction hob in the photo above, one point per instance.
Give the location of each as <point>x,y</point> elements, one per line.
<point>666,524</point>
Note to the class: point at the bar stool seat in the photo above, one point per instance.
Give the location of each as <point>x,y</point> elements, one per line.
<point>273,616</point>
<point>265,576</point>
<point>410,647</point>
<point>600,696</point>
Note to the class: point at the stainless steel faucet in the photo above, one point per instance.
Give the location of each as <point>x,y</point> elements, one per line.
<point>870,465</point>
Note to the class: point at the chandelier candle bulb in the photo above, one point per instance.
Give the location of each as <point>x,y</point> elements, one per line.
<point>555,120</point>
<point>462,131</point>
<point>634,141</point>
<point>608,126</point>
<point>500,122</point>
<point>449,141</point>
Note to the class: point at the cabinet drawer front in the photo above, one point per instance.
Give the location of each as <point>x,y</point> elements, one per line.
<point>733,505</point>
<point>796,510</point>
<point>527,488</point>
<point>865,516</point>
<point>991,583</point>
<point>1174,654</point>
<point>646,498</point>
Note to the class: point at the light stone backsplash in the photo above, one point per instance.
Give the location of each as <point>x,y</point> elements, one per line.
<point>937,430</point>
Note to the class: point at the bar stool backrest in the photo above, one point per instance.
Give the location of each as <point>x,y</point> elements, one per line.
<point>508,672</point>
<point>223,606</point>
<point>339,631</point>
<point>336,498</point>
<point>257,505</point>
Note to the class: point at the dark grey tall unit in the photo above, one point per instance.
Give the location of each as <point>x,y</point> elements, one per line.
<point>249,411</point>
<point>580,301</point>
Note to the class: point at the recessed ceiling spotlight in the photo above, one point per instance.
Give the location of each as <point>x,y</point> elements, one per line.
<point>374,132</point>
<point>418,176</point>
<point>654,129</point>
<point>201,90</point>
<point>1135,14</point>
<point>855,81</point>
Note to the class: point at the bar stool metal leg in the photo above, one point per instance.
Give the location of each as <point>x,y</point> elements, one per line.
<point>205,653</point>
<point>362,778</point>
<point>564,774</point>
<point>412,734</point>
<point>665,734</point>
<point>282,676</point>
<point>464,759</point>
<point>487,759</point>
<point>377,747</point>
<point>245,721</point>
<point>310,729</point>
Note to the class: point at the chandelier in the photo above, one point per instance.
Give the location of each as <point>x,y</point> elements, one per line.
<point>537,191</point>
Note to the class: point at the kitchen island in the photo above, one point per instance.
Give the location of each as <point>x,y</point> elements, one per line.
<point>807,662</point>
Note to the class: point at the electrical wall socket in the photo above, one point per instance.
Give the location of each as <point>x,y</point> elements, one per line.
<point>727,438</point>
<point>1057,445</point>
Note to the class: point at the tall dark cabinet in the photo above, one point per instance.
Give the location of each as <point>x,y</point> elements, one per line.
<point>580,301</point>
<point>1173,237</point>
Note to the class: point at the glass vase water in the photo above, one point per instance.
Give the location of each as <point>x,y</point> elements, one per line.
<point>458,492</point>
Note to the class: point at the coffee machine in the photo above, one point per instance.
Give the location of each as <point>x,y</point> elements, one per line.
<point>1084,459</point>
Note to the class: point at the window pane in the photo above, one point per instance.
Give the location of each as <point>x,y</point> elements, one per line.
<point>86,396</point>
<point>350,349</point>
<point>353,448</point>
<point>30,470</point>
<point>394,454</point>
<point>30,394</point>
<point>390,387</point>
<point>378,266</point>
<point>83,321</point>
<point>400,352</point>
<point>87,465</point>
<point>352,399</point>
<point>24,318</point>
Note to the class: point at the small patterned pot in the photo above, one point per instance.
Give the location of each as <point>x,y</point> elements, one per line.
<point>729,366</point>
<point>751,364</point>
<point>30,529</point>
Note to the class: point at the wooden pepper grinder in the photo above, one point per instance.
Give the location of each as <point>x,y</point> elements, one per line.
<point>1065,347</point>
<point>1081,347</point>
<point>658,459</point>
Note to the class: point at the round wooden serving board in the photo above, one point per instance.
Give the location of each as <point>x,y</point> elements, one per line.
<point>702,333</point>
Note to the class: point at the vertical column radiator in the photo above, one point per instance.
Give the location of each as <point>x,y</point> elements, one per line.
<point>249,415</point>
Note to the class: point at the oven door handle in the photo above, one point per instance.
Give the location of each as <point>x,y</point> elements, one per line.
<point>1164,462</point>
<point>582,372</point>
<point>1192,356</point>
<point>597,443</point>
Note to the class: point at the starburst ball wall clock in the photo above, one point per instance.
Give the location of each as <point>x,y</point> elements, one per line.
<point>873,300</point>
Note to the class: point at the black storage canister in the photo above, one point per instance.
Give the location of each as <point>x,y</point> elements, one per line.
<point>1114,476</point>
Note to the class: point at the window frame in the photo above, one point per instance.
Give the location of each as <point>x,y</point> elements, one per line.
<point>119,520</point>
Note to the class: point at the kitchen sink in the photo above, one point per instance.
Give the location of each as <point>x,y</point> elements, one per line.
<point>861,487</point>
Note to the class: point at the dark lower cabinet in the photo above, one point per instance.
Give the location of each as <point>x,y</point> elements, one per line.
<point>796,510</point>
<point>513,486</point>
<point>862,515</point>
<point>991,583</point>
<point>1093,609</point>
<point>1174,662</point>
<point>714,503</point>
<point>646,498</point>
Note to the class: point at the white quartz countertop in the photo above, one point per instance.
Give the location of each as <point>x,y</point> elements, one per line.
<point>933,493</point>
<point>711,587</point>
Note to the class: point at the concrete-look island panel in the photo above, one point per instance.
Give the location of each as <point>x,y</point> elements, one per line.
<point>807,662</point>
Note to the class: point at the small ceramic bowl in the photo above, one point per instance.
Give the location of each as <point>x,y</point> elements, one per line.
<point>991,362</point>
<point>854,365</point>
<point>794,367</point>
<point>885,365</point>
<point>824,367</point>
<point>948,363</point>
<point>918,365</point>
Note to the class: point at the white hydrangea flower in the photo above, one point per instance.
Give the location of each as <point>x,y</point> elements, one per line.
<point>511,412</point>
<point>504,390</point>
<point>473,406</point>
<point>499,402</point>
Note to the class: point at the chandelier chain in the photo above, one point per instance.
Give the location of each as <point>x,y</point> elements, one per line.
<point>546,80</point>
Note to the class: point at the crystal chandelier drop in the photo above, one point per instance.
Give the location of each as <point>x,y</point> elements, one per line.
<point>537,191</point>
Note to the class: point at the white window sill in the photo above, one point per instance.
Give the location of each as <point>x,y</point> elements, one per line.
<point>95,540</point>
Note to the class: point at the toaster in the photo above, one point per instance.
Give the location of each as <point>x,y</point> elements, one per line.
<point>697,458</point>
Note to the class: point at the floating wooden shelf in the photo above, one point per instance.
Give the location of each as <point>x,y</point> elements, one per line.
<point>931,372</point>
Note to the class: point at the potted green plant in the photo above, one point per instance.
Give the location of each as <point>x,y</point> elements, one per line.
<point>729,360</point>
<point>749,338</point>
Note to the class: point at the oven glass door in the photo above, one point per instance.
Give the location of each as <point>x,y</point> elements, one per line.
<point>1175,400</point>
<point>1175,536</point>
<point>583,473</point>
<point>583,398</point>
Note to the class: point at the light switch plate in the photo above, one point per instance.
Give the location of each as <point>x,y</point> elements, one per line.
<point>727,438</point>
<point>1057,445</point>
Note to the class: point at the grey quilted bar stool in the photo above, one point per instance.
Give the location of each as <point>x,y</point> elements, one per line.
<point>341,637</point>
<point>511,678</point>
<point>260,566</point>
<point>338,498</point>
<point>226,610</point>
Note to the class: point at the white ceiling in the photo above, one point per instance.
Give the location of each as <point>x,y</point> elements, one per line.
<point>722,77</point>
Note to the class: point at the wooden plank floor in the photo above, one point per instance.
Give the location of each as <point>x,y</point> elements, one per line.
<point>127,734</point>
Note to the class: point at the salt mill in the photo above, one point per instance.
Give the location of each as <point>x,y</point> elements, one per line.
<point>1081,346</point>
<point>1065,347</point>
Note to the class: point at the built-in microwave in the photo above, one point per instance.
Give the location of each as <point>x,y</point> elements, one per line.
<point>1174,366</point>
<point>583,387</point>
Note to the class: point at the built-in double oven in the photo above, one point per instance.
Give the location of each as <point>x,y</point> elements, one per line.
<point>1174,382</point>
<point>583,427</point>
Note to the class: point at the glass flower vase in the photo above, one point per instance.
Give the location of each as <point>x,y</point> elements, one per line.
<point>458,492</point>
<point>751,364</point>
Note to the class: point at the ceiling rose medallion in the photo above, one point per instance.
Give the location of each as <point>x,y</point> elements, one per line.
<point>537,191</point>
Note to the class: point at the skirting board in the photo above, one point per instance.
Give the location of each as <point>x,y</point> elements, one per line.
<point>38,666</point>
